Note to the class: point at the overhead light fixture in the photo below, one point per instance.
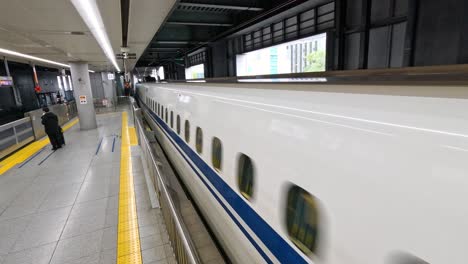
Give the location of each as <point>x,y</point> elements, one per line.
<point>90,14</point>
<point>33,58</point>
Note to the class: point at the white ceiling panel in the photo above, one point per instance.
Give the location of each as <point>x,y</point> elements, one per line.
<point>38,27</point>
<point>111,21</point>
<point>71,43</point>
<point>146,16</point>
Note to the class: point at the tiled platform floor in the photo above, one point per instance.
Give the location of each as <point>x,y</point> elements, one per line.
<point>65,209</point>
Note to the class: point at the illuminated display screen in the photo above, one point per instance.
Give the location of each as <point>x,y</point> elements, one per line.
<point>302,55</point>
<point>6,81</point>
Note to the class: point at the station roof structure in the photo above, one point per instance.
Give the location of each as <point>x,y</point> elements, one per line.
<point>193,23</point>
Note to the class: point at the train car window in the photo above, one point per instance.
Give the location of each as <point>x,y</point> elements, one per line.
<point>187,131</point>
<point>162,111</point>
<point>302,219</point>
<point>245,176</point>
<point>217,153</point>
<point>165,117</point>
<point>178,124</point>
<point>172,119</point>
<point>199,140</point>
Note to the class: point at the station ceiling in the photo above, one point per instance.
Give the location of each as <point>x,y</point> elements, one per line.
<point>53,29</point>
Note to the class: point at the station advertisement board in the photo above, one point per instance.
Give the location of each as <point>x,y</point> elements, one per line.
<point>6,81</point>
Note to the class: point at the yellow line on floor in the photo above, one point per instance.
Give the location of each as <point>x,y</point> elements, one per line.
<point>133,137</point>
<point>128,236</point>
<point>23,154</point>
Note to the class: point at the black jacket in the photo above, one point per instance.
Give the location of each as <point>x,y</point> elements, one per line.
<point>50,122</point>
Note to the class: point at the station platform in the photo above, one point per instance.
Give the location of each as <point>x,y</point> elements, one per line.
<point>84,203</point>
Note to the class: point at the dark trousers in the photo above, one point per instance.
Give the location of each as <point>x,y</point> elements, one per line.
<point>54,140</point>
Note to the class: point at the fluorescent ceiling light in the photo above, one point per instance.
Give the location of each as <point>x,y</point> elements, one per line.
<point>89,12</point>
<point>34,58</point>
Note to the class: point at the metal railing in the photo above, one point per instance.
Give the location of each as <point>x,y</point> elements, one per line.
<point>64,112</point>
<point>14,135</point>
<point>182,244</point>
<point>17,134</point>
<point>104,105</point>
<point>123,100</point>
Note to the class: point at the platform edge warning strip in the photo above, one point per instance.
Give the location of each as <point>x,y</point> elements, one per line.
<point>23,154</point>
<point>128,236</point>
<point>133,136</point>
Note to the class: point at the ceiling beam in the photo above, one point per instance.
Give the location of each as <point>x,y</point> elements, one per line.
<point>124,15</point>
<point>199,24</point>
<point>165,51</point>
<point>163,48</point>
<point>177,42</point>
<point>243,8</point>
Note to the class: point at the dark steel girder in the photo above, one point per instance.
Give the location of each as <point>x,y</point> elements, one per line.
<point>232,7</point>
<point>199,24</point>
<point>124,15</point>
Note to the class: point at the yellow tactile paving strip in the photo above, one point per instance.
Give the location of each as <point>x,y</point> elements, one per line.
<point>133,136</point>
<point>128,237</point>
<point>26,152</point>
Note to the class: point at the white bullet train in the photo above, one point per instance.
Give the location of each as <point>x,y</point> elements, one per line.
<point>309,173</point>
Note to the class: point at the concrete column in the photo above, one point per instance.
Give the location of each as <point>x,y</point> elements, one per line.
<point>83,95</point>
<point>16,92</point>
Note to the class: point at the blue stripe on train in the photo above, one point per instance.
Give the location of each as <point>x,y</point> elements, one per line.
<point>274,242</point>
<point>257,247</point>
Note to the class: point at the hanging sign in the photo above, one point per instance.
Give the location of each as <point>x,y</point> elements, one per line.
<point>83,99</point>
<point>110,76</point>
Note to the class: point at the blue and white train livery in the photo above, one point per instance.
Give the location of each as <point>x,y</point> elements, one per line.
<point>321,173</point>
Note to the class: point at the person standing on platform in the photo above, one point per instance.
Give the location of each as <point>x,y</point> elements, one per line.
<point>127,88</point>
<point>51,127</point>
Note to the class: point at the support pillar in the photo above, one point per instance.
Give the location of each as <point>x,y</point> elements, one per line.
<point>83,95</point>
<point>16,93</point>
